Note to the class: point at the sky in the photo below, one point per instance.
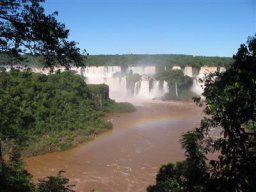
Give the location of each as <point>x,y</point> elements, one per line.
<point>194,27</point>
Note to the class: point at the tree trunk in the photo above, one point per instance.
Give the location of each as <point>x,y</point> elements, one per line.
<point>1,154</point>
<point>176,90</point>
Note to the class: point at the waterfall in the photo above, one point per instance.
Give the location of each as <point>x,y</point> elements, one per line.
<point>143,70</point>
<point>222,69</point>
<point>188,71</point>
<point>206,70</point>
<point>198,82</point>
<point>146,88</point>
<point>143,92</point>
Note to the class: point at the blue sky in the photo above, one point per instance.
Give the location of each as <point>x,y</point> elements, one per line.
<point>195,27</point>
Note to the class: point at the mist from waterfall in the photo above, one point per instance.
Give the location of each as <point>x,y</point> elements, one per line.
<point>146,88</point>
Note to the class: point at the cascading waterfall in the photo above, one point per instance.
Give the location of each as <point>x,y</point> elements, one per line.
<point>188,71</point>
<point>198,81</point>
<point>146,88</point>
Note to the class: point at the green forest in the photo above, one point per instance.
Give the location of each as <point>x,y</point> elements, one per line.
<point>230,109</point>
<point>42,113</point>
<point>53,112</point>
<point>179,84</point>
<point>159,60</point>
<point>132,59</point>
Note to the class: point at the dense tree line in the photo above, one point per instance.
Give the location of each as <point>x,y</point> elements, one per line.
<point>47,112</point>
<point>159,60</point>
<point>230,108</point>
<point>43,113</point>
<point>135,59</point>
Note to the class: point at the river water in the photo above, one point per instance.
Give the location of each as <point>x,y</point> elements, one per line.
<point>127,158</point>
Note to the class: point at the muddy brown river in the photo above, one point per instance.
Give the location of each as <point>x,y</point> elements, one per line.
<point>127,158</point>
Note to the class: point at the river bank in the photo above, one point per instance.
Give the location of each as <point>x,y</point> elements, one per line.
<point>128,157</point>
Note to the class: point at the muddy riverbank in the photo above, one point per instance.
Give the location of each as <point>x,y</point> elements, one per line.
<point>128,157</point>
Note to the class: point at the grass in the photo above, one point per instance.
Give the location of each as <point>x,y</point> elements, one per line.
<point>122,107</point>
<point>183,96</point>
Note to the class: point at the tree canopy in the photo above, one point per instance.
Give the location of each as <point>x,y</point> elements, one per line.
<point>14,178</point>
<point>228,130</point>
<point>159,60</point>
<point>37,110</point>
<point>26,29</point>
<point>176,81</point>
<point>175,76</point>
<point>25,98</point>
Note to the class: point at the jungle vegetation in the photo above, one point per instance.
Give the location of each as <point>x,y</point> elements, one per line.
<point>133,59</point>
<point>158,60</point>
<point>178,84</point>
<point>230,108</point>
<point>46,113</point>
<point>27,30</point>
<point>41,113</point>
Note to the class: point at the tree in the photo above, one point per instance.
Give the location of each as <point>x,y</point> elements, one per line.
<point>176,80</point>
<point>131,79</point>
<point>231,102</point>
<point>55,184</point>
<point>26,29</point>
<point>189,175</point>
<point>13,176</point>
<point>230,106</point>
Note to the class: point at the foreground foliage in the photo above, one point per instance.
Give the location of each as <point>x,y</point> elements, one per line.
<point>47,113</point>
<point>14,178</point>
<point>41,113</point>
<point>35,110</point>
<point>27,29</point>
<point>228,130</point>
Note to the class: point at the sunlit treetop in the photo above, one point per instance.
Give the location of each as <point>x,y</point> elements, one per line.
<point>26,29</point>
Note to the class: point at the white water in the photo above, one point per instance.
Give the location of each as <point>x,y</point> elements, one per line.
<point>146,88</point>
<point>188,71</point>
<point>198,81</point>
<point>143,70</point>
<point>142,88</point>
<point>117,83</point>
